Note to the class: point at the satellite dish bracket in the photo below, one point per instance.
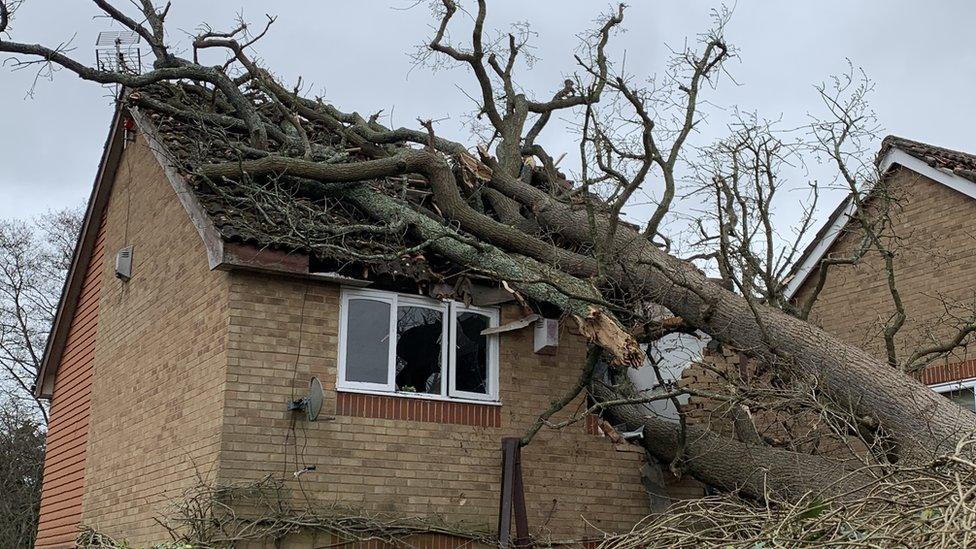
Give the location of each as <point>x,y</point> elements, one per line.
<point>312,402</point>
<point>299,404</point>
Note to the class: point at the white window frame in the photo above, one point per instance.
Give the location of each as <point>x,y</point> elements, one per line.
<point>450,310</point>
<point>492,355</point>
<point>443,307</point>
<point>383,297</point>
<point>955,386</point>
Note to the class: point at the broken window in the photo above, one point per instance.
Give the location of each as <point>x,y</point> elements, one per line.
<point>419,350</point>
<point>471,353</point>
<point>437,347</point>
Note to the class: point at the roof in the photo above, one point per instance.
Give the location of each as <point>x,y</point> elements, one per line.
<point>946,160</point>
<point>268,224</point>
<point>954,169</point>
<point>282,220</point>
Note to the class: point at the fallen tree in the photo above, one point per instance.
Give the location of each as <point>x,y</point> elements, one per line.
<point>510,216</point>
<point>856,379</point>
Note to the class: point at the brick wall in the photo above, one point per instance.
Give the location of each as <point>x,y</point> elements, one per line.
<point>156,395</point>
<point>576,482</point>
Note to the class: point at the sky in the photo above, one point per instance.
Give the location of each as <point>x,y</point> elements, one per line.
<point>356,54</point>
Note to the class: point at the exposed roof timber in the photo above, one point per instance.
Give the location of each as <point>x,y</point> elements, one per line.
<point>513,325</point>
<point>838,219</point>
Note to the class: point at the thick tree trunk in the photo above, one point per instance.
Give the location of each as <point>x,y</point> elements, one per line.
<point>921,421</point>
<point>756,471</point>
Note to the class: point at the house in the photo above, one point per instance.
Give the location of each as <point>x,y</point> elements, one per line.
<point>928,201</point>
<point>182,338</point>
<point>931,191</point>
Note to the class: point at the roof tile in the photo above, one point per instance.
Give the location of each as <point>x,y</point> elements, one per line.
<point>957,162</point>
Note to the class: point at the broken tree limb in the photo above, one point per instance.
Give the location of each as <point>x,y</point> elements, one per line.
<point>524,271</point>
<point>535,280</point>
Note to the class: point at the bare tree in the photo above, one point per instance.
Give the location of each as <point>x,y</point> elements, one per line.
<point>503,210</point>
<point>34,260</point>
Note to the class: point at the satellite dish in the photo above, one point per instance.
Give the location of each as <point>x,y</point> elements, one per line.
<point>311,403</point>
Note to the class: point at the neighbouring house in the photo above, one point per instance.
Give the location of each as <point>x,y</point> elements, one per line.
<point>183,334</point>
<point>931,193</point>
<point>927,195</point>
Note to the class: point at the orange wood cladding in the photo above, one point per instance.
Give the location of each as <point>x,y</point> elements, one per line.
<point>67,433</point>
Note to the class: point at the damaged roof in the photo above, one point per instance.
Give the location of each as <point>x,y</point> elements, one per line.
<point>282,219</point>
<point>269,224</point>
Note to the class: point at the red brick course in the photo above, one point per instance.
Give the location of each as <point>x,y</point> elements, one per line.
<point>944,373</point>
<point>417,409</point>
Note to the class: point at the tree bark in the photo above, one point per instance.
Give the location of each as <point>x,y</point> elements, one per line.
<point>755,470</point>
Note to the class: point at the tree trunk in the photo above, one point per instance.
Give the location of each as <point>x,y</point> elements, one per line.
<point>755,470</point>
<point>921,421</point>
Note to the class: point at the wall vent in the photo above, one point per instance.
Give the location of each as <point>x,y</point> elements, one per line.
<point>123,264</point>
<point>546,336</point>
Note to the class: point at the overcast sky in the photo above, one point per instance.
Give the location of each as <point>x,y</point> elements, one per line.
<point>920,54</point>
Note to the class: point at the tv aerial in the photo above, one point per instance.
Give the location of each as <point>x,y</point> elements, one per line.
<point>118,51</point>
<point>312,402</point>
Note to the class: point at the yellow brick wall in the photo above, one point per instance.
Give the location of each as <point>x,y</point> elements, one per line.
<point>159,366</point>
<point>576,482</point>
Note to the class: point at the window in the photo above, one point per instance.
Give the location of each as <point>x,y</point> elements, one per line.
<point>960,392</point>
<point>413,345</point>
